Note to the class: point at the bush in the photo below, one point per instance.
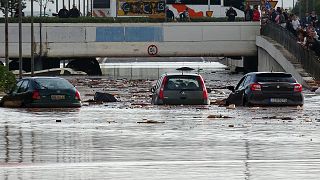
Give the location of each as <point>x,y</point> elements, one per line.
<point>7,79</point>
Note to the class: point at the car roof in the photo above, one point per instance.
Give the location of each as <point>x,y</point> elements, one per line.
<point>42,77</point>
<point>181,74</point>
<point>255,73</point>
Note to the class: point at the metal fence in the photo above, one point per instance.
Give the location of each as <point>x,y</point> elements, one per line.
<point>309,60</point>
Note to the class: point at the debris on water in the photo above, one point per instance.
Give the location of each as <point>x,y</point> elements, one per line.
<point>91,101</point>
<point>231,106</point>
<point>140,104</point>
<point>104,97</point>
<point>287,118</point>
<point>145,121</point>
<point>58,120</point>
<point>218,102</point>
<point>308,120</point>
<point>111,122</point>
<point>230,125</point>
<point>219,116</point>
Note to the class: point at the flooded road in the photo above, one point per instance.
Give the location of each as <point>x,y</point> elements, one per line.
<point>111,141</point>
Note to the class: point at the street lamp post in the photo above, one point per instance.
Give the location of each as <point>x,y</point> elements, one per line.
<point>6,35</point>
<point>20,39</point>
<point>32,41</point>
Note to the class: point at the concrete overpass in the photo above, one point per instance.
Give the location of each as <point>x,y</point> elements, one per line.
<point>71,40</point>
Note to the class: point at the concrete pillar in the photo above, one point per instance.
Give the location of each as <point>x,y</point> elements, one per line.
<point>250,63</point>
<point>267,63</point>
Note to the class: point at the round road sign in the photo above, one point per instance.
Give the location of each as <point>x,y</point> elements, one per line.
<point>152,50</point>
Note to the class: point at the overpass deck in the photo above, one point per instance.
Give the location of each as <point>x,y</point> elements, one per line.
<point>70,40</point>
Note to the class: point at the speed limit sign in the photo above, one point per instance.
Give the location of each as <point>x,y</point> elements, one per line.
<point>152,50</point>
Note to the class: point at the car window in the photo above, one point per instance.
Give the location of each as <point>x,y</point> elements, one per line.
<point>24,86</point>
<point>240,84</point>
<point>183,82</point>
<point>247,81</point>
<point>16,88</point>
<point>275,77</point>
<point>50,83</point>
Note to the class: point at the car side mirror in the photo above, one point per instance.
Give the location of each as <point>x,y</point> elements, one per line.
<point>7,91</point>
<point>231,88</point>
<point>209,90</point>
<point>153,89</point>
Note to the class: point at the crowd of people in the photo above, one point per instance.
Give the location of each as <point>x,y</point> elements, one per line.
<point>306,29</point>
<point>72,13</point>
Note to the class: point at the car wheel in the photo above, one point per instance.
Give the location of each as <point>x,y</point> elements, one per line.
<point>245,102</point>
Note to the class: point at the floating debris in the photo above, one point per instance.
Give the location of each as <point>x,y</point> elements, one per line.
<point>150,122</point>
<point>231,106</point>
<point>220,116</point>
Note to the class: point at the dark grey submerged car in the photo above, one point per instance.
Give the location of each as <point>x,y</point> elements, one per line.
<point>47,92</point>
<point>266,88</point>
<point>177,89</point>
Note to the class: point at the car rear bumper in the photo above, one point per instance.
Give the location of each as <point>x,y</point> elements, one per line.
<point>265,99</point>
<point>181,102</point>
<point>54,105</point>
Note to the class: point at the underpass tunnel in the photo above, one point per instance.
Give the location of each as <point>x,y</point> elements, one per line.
<point>88,65</point>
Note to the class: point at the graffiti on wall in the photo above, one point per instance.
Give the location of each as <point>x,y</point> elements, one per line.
<point>154,8</point>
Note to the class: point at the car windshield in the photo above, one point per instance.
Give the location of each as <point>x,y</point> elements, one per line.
<point>274,77</point>
<point>183,82</point>
<point>50,83</point>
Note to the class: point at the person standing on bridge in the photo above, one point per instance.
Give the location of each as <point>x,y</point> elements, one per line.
<point>74,12</point>
<point>256,14</point>
<point>63,13</point>
<point>231,14</point>
<point>248,13</point>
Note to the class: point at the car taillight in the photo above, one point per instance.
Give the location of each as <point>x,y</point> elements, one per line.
<point>255,87</point>
<point>204,89</point>
<point>164,81</point>
<point>77,97</point>
<point>36,95</point>
<point>297,88</point>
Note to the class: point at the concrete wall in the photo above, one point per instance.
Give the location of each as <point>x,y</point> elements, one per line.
<point>273,57</point>
<point>267,63</point>
<point>134,39</point>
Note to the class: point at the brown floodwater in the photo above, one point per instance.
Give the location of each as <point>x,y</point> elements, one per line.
<point>110,141</point>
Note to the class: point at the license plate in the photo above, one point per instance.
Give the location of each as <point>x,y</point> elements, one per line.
<point>278,100</point>
<point>57,97</point>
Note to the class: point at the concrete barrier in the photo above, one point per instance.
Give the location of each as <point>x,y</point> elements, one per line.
<point>69,40</point>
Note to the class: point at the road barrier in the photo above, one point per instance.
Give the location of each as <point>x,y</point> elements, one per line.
<point>309,60</point>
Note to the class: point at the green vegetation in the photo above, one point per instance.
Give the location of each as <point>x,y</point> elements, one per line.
<point>108,20</point>
<point>7,79</point>
<point>303,6</point>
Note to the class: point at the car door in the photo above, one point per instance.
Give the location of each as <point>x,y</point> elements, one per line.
<point>23,95</point>
<point>237,96</point>
<point>156,88</point>
<point>11,100</point>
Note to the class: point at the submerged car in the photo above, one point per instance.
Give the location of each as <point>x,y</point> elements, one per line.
<point>266,88</point>
<point>178,89</point>
<point>47,92</point>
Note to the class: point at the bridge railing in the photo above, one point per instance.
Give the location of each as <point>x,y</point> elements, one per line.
<point>309,60</point>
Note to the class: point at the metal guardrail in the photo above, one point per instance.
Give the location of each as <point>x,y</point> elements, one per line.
<point>308,59</point>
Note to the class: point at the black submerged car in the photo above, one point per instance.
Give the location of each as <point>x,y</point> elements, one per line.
<point>266,88</point>
<point>48,92</point>
<point>177,89</point>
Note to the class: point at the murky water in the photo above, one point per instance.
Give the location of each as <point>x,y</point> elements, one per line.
<point>107,142</point>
